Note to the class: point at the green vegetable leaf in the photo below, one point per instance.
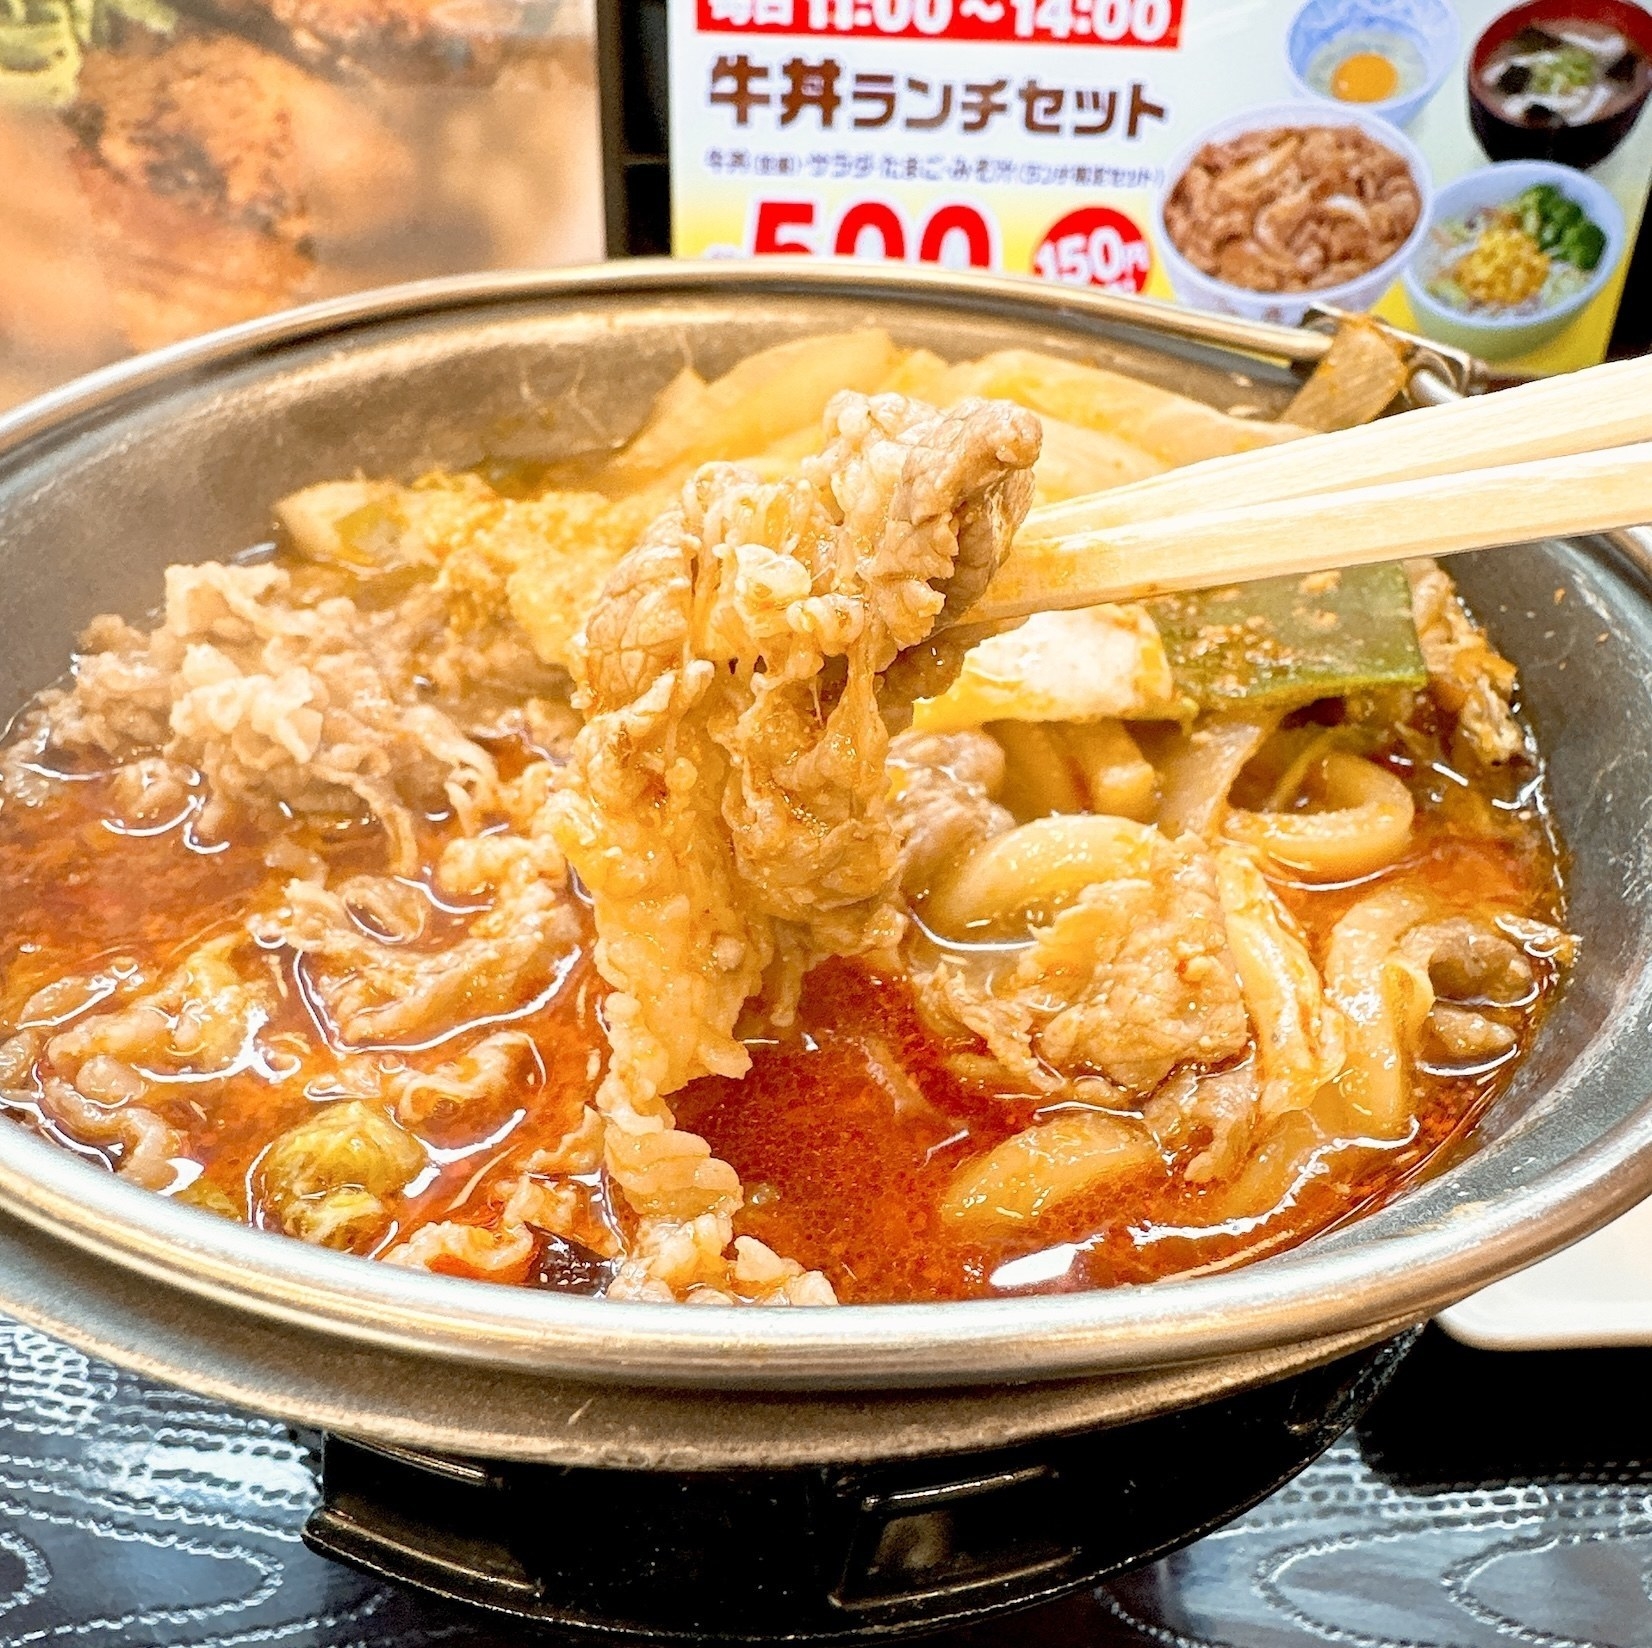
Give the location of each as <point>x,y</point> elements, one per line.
<point>1287,641</point>
<point>1583,246</point>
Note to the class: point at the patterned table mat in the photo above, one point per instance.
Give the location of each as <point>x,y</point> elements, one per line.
<point>135,1515</point>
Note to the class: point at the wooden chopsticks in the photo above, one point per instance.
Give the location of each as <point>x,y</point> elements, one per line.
<point>1571,454</point>
<point>1438,515</point>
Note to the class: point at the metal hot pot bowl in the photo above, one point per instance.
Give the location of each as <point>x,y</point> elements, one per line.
<point>817,1474</point>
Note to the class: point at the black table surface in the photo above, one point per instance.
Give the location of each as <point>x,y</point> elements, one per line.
<point>1486,1499</point>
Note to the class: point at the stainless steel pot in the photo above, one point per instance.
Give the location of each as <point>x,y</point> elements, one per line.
<point>179,455</point>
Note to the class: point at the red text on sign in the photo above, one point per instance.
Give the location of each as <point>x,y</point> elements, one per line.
<point>1095,246</point>
<point>954,233</point>
<point>1096,22</point>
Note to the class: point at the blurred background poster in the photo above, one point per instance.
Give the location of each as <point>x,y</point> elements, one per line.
<point>1475,170</point>
<point>171,166</point>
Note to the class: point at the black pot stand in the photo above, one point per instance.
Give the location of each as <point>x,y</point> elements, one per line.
<point>835,1553</point>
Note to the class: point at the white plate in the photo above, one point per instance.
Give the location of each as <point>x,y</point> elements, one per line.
<point>1597,1293</point>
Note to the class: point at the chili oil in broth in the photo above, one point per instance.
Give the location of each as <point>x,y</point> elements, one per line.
<point>849,1127</point>
<point>850,1123</point>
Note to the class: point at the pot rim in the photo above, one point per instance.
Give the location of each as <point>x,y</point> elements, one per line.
<point>1296,1296</point>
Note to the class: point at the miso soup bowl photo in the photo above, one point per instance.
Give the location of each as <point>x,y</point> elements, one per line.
<point>1557,116</point>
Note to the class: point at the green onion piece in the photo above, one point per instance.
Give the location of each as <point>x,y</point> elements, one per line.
<point>1287,641</point>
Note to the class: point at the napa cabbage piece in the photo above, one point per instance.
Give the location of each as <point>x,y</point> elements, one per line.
<point>1074,1153</point>
<point>777,391</point>
<point>1076,461</point>
<point>542,560</point>
<point>1300,1037</point>
<point>329,1179</point>
<point>43,43</point>
<point>1172,429</point>
<point>1103,663</point>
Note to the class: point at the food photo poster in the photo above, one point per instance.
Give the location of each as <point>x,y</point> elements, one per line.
<point>174,166</point>
<point>1476,172</point>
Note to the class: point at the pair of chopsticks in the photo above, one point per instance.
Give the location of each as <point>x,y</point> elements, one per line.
<point>1567,455</point>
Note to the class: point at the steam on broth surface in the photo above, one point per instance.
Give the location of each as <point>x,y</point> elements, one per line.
<point>609,879</point>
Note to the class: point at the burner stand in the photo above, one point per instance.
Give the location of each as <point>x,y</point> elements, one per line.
<point>834,1553</point>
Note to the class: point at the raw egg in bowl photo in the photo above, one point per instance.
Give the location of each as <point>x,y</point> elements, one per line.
<point>1388,57</point>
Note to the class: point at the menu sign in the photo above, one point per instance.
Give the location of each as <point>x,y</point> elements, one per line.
<point>1474,170</point>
